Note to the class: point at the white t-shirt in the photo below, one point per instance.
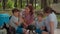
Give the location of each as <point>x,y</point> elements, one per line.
<point>51,17</point>
<point>13,20</point>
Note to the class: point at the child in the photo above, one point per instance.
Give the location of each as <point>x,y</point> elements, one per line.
<point>40,24</point>
<point>15,22</point>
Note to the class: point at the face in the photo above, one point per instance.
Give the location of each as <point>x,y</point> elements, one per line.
<point>16,14</point>
<point>27,10</point>
<point>30,4</point>
<point>40,18</point>
<point>46,14</point>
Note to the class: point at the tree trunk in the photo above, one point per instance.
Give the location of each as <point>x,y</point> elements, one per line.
<point>35,4</point>
<point>55,1</point>
<point>20,3</point>
<point>27,2</point>
<point>31,2</point>
<point>43,3</point>
<point>4,4</point>
<point>0,0</point>
<point>15,4</point>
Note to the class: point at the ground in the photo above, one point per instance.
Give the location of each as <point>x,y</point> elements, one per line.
<point>57,31</point>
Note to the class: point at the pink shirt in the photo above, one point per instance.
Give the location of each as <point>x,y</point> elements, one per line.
<point>29,18</point>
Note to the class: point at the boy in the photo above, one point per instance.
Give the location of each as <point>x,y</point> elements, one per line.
<point>40,24</point>
<point>14,21</point>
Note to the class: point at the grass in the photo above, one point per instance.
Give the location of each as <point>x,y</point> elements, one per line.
<point>58,17</point>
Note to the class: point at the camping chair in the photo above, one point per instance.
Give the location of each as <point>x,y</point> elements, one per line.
<point>4,19</point>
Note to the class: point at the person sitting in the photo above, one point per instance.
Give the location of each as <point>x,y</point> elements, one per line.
<point>39,23</point>
<point>14,22</point>
<point>28,16</point>
<point>50,20</point>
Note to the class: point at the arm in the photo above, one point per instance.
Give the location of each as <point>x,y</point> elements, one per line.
<point>16,23</point>
<point>43,27</point>
<point>25,25</point>
<point>15,20</point>
<point>51,27</point>
<point>51,19</point>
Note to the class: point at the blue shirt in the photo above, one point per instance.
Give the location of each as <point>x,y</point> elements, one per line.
<point>39,24</point>
<point>52,17</point>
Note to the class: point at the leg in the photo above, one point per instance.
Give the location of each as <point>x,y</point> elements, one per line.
<point>25,31</point>
<point>19,30</point>
<point>44,32</point>
<point>38,31</point>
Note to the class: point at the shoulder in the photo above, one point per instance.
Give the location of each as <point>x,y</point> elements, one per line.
<point>22,13</point>
<point>36,19</point>
<point>52,16</point>
<point>14,18</point>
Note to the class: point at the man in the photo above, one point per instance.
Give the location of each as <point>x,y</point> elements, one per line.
<point>51,20</point>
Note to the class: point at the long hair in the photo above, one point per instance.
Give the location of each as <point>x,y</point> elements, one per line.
<point>31,9</point>
<point>49,10</point>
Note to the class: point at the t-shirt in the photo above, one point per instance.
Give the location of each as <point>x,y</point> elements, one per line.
<point>29,18</point>
<point>13,20</point>
<point>51,17</point>
<point>39,24</point>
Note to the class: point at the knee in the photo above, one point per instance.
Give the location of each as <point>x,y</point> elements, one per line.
<point>44,32</point>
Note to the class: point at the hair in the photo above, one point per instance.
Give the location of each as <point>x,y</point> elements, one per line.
<point>40,14</point>
<point>54,11</point>
<point>15,10</point>
<point>31,9</point>
<point>48,10</point>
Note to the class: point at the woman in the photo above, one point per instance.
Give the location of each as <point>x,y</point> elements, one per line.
<point>28,15</point>
<point>51,20</point>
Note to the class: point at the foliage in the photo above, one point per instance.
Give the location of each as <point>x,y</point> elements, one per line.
<point>58,17</point>
<point>10,4</point>
<point>23,4</point>
<point>0,4</point>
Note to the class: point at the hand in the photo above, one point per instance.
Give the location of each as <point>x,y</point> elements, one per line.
<point>25,25</point>
<point>42,28</point>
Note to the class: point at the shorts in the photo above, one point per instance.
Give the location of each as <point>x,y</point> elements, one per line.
<point>19,30</point>
<point>38,31</point>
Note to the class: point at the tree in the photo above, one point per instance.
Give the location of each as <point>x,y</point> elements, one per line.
<point>0,3</point>
<point>27,2</point>
<point>43,3</point>
<point>0,0</point>
<point>15,4</point>
<point>31,2</point>
<point>10,4</point>
<point>4,4</point>
<point>55,1</point>
<point>35,4</point>
<point>20,2</point>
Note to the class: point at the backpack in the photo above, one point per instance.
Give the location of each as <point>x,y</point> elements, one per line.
<point>10,17</point>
